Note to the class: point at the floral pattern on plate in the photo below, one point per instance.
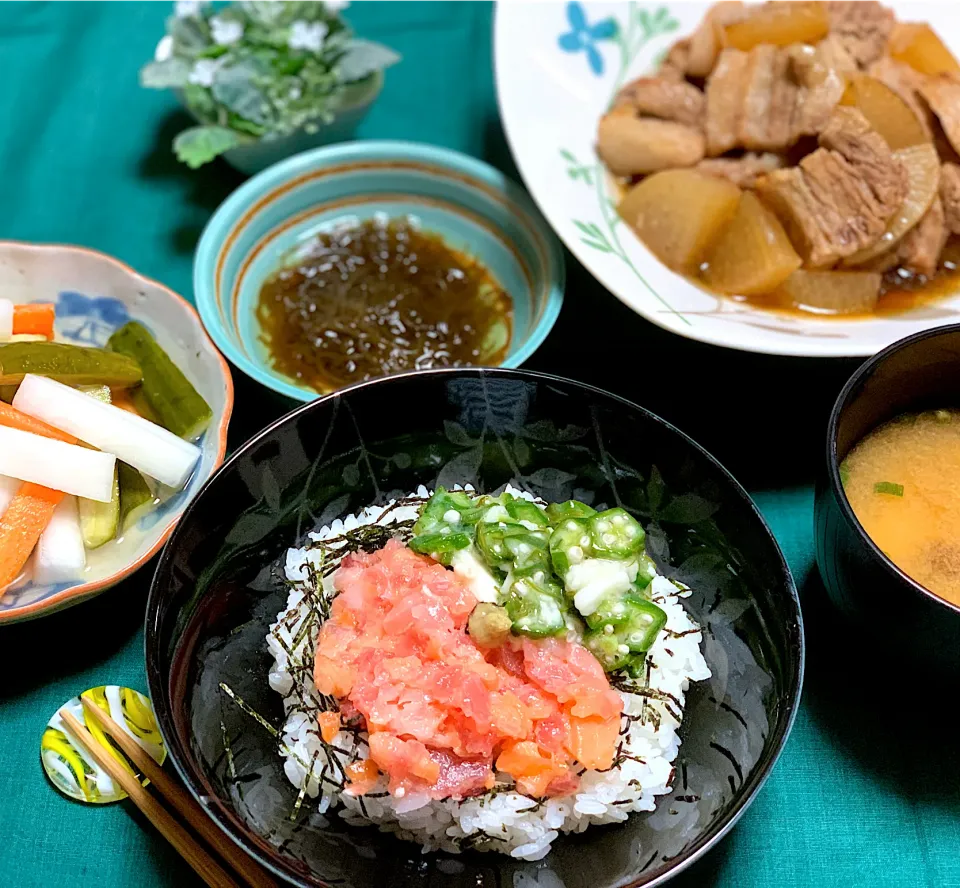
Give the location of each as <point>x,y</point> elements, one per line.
<point>558,67</point>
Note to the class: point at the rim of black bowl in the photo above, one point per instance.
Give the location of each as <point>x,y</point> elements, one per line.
<point>854,383</point>
<point>750,788</point>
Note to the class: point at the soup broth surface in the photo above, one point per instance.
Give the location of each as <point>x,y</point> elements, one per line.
<point>903,482</point>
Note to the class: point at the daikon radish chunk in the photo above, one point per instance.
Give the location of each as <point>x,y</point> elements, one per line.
<point>138,442</point>
<point>6,319</point>
<point>8,490</point>
<point>919,46</point>
<point>60,555</point>
<point>54,464</point>
<point>752,254</point>
<point>678,214</point>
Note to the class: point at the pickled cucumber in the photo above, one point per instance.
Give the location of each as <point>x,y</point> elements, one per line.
<point>176,403</point>
<point>97,392</point>
<point>99,521</point>
<point>134,494</point>
<point>70,364</point>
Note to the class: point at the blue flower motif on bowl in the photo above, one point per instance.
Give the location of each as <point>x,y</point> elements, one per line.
<point>88,320</point>
<point>584,37</point>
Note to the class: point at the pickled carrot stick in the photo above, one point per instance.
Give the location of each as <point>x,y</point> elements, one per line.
<point>36,318</point>
<point>17,419</point>
<point>21,525</point>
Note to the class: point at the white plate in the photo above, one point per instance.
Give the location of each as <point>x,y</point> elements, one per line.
<point>557,67</point>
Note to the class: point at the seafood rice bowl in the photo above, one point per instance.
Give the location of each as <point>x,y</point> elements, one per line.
<point>482,672</point>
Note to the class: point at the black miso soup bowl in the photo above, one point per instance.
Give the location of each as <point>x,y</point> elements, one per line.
<point>217,589</point>
<point>920,372</point>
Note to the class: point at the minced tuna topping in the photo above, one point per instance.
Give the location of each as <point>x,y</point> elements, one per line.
<point>445,716</point>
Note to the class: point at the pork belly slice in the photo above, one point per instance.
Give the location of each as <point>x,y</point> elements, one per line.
<point>726,91</point>
<point>631,145</point>
<point>821,72</point>
<point>664,98</point>
<point>921,248</point>
<point>841,197</point>
<point>943,95</point>
<point>950,195</point>
<point>863,28</point>
<point>742,171</point>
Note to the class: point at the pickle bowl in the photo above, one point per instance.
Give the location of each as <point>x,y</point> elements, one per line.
<point>95,295</point>
<point>471,206</point>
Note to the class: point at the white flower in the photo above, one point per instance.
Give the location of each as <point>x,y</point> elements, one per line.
<point>336,6</point>
<point>225,31</point>
<point>164,49</point>
<point>307,36</point>
<point>203,72</point>
<point>186,8</point>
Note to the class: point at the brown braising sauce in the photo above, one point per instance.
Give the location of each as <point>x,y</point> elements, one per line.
<point>378,297</point>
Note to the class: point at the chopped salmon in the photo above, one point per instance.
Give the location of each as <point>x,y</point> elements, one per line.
<point>592,741</point>
<point>442,713</point>
<point>329,725</point>
<point>362,776</point>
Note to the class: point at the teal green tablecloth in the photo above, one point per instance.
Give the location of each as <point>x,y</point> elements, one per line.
<point>84,158</point>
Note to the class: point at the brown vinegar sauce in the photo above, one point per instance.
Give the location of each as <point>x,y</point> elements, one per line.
<point>378,297</point>
<point>897,294</point>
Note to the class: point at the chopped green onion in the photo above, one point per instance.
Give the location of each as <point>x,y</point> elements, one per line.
<point>844,474</point>
<point>888,487</point>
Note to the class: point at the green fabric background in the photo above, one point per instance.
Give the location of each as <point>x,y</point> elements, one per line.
<point>84,158</point>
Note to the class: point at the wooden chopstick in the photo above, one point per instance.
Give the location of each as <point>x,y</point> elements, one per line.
<point>203,864</point>
<point>185,805</point>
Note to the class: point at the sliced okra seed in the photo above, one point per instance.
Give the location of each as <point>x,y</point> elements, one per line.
<point>539,576</point>
<point>584,540</point>
<point>622,649</point>
<point>619,608</point>
<point>608,629</point>
<point>575,553</point>
<point>571,525</point>
<point>451,516</point>
<point>609,539</point>
<point>603,526</point>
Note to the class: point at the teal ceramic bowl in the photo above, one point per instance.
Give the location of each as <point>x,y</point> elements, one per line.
<point>472,206</point>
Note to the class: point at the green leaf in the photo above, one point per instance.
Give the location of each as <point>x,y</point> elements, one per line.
<point>590,228</point>
<point>457,434</point>
<point>201,144</point>
<point>363,58</point>
<point>660,14</point>
<point>566,155</point>
<point>171,74</point>
<point>688,508</point>
<point>191,36</point>
<point>602,247</point>
<point>245,126</point>
<point>643,17</point>
<point>888,487</point>
<point>655,490</point>
<point>234,88</point>
<point>200,102</point>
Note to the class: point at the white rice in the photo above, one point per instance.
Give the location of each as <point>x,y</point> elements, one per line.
<point>502,820</point>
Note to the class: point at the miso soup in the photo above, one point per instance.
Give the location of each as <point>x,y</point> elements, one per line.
<point>903,482</point>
